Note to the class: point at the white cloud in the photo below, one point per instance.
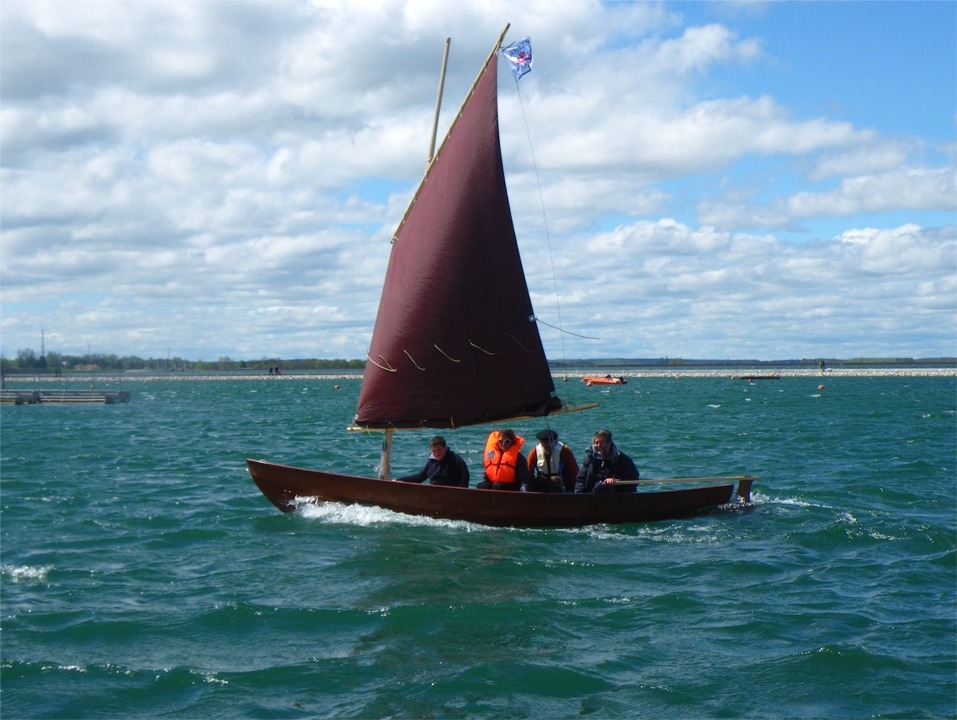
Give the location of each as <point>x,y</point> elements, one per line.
<point>904,188</point>
<point>869,158</point>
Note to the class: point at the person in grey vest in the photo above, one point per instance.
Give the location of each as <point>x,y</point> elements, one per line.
<point>551,465</point>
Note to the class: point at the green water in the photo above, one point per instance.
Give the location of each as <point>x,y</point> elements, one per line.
<point>144,576</point>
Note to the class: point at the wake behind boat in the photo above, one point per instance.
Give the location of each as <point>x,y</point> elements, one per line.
<point>454,320</point>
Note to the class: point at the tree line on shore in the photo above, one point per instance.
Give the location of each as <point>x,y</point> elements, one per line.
<point>29,361</point>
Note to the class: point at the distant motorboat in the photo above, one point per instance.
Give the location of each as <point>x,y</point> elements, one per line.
<point>604,380</point>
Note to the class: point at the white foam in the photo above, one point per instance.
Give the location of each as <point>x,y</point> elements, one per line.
<point>365,516</point>
<point>796,502</point>
<point>20,573</point>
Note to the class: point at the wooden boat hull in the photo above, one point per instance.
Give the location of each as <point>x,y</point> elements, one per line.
<point>283,484</point>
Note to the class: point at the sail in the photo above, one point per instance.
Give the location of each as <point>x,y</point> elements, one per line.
<point>455,340</point>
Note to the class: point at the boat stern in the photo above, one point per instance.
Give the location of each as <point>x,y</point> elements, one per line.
<point>744,488</point>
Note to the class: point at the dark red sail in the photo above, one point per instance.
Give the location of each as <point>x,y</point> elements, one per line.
<point>455,340</point>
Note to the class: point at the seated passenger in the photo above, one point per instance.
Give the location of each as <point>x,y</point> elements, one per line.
<point>552,465</point>
<point>505,466</point>
<point>604,466</point>
<point>443,467</point>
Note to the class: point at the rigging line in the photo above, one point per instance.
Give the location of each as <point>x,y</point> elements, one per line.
<point>565,332</point>
<point>387,369</point>
<point>413,360</point>
<point>517,342</point>
<point>477,347</point>
<point>548,238</point>
<point>446,354</point>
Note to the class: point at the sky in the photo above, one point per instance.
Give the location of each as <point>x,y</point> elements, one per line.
<point>740,180</point>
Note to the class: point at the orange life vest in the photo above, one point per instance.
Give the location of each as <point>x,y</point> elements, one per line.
<point>501,466</point>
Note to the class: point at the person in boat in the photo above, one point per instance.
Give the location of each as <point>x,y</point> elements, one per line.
<point>444,467</point>
<point>551,465</point>
<point>505,466</point>
<point>604,466</point>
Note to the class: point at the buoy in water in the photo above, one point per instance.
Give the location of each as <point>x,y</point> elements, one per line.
<point>820,387</point>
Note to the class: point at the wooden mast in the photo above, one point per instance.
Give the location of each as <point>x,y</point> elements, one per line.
<point>386,454</point>
<point>495,49</point>
<point>438,101</point>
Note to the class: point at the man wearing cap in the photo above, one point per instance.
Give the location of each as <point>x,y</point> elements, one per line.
<point>551,465</point>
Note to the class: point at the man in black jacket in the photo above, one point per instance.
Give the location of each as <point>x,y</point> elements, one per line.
<point>443,467</point>
<point>604,466</point>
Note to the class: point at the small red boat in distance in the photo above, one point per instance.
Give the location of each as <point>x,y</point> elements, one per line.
<point>605,380</point>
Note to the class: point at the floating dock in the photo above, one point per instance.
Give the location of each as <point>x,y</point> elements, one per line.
<point>63,397</point>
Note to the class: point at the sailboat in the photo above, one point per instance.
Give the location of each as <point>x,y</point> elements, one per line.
<point>456,343</point>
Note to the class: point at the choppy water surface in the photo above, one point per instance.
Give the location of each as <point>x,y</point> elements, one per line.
<point>143,575</point>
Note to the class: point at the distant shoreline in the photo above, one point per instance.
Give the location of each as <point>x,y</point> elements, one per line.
<point>744,374</point>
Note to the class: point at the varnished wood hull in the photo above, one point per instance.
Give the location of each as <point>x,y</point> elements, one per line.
<point>283,484</point>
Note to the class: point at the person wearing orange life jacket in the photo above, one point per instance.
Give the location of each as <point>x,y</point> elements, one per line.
<point>505,466</point>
